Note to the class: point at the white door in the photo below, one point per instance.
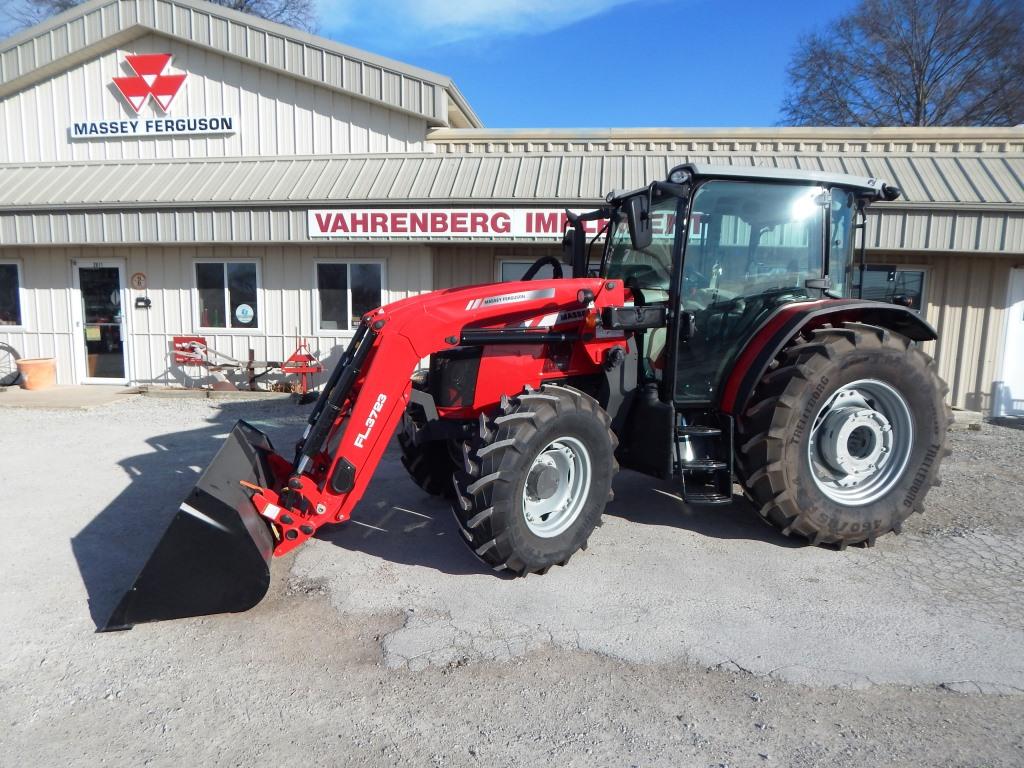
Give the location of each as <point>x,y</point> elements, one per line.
<point>1009,395</point>
<point>97,306</point>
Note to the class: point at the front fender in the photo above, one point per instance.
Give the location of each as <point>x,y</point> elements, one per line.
<point>779,328</point>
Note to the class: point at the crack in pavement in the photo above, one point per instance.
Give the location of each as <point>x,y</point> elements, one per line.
<point>939,605</point>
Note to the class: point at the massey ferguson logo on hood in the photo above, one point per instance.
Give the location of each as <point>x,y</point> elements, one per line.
<point>149,80</point>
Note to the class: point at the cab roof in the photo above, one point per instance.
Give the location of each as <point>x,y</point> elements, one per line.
<point>868,186</point>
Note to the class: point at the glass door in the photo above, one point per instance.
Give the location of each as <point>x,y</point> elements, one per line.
<point>100,322</point>
<point>1009,393</point>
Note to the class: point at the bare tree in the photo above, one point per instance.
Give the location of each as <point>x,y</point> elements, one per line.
<point>295,13</point>
<point>912,62</point>
<point>26,13</point>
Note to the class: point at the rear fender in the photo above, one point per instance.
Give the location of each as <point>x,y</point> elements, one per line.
<point>777,331</point>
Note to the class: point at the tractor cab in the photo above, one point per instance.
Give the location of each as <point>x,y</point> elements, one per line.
<point>708,259</point>
<point>722,249</point>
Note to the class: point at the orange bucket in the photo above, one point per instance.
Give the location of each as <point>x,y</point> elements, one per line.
<point>38,372</point>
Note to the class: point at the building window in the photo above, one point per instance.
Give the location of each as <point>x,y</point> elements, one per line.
<point>895,285</point>
<point>346,291</point>
<point>10,294</point>
<point>511,271</point>
<point>228,294</point>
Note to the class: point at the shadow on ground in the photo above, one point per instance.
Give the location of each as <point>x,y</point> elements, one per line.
<point>645,500</point>
<point>395,521</point>
<point>114,546</point>
<point>1013,422</point>
<point>398,522</point>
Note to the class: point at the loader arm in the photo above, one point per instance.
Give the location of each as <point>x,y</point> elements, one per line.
<point>363,401</point>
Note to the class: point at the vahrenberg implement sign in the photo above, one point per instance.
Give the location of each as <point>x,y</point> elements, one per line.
<point>429,223</point>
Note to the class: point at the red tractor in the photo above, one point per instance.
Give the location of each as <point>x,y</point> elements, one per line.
<point>718,340</point>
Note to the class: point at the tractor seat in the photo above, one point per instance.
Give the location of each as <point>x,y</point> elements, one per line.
<point>654,352</point>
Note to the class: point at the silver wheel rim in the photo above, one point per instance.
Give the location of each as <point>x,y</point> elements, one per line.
<point>564,467</point>
<point>861,442</point>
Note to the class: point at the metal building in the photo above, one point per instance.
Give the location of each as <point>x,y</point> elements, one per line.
<point>171,167</point>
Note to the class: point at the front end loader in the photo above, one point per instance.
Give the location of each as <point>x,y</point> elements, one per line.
<point>721,339</point>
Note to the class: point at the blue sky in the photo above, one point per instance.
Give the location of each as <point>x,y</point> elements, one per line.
<point>595,63</point>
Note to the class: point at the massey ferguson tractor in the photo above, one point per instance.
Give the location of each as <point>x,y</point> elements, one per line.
<point>715,337</point>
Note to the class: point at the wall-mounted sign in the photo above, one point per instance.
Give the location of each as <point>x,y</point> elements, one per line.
<point>151,81</point>
<point>244,313</point>
<point>442,223</point>
<point>139,281</point>
<point>152,126</point>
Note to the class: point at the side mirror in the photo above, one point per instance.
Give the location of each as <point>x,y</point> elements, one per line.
<point>638,212</point>
<point>574,249</point>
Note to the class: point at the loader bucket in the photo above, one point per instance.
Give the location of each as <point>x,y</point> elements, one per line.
<point>215,555</point>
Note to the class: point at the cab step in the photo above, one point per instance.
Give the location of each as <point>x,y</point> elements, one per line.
<point>697,430</point>
<point>709,497</point>
<point>704,465</point>
<point>703,458</point>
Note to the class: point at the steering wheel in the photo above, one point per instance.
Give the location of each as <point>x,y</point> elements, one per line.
<point>556,267</point>
<point>694,281</point>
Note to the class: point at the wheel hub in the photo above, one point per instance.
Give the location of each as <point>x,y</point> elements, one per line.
<point>542,482</point>
<point>861,442</point>
<point>557,486</point>
<point>855,441</point>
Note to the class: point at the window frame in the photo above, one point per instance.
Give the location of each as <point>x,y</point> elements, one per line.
<point>23,324</point>
<point>924,269</point>
<point>256,328</point>
<point>317,319</point>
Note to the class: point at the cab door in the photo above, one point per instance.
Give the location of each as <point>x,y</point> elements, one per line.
<point>750,247</point>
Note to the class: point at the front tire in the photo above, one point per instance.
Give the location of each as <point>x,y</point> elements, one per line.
<point>536,480</point>
<point>430,465</point>
<point>844,438</point>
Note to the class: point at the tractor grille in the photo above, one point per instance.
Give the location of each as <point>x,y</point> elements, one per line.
<point>453,376</point>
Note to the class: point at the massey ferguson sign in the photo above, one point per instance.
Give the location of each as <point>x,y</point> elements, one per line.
<point>440,223</point>
<point>151,81</point>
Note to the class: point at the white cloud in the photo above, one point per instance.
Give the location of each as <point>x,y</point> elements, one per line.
<point>434,22</point>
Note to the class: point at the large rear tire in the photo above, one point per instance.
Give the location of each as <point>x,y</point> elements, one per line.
<point>844,438</point>
<point>536,480</point>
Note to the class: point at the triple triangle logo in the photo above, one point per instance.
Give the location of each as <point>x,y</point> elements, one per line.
<point>149,80</point>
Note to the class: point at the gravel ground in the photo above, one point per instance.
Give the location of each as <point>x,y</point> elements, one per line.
<point>681,637</point>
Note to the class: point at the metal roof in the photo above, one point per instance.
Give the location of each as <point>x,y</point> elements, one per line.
<point>100,25</point>
<point>990,181</point>
<point>961,203</point>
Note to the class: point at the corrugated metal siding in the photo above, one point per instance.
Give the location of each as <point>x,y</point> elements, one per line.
<point>286,300</point>
<point>966,297</point>
<point>239,36</point>
<point>965,300</point>
<point>274,113</point>
<point>46,311</point>
<point>456,265</point>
